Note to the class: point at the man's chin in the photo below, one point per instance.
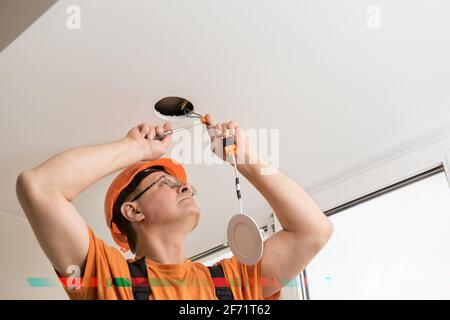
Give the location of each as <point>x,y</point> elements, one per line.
<point>197,220</point>
<point>194,214</point>
<point>189,203</point>
<point>191,210</point>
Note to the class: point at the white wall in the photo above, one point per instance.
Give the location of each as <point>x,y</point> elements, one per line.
<point>420,150</point>
<point>22,258</point>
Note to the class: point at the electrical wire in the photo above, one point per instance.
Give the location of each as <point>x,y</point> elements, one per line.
<point>238,186</point>
<point>192,114</point>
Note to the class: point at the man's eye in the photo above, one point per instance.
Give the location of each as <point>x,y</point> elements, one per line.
<point>173,182</point>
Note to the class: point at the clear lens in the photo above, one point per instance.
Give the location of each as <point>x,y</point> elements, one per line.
<point>171,181</point>
<point>174,183</point>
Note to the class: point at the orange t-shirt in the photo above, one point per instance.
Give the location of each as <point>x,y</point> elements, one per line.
<point>186,281</point>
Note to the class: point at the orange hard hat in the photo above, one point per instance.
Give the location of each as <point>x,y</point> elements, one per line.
<point>121,182</point>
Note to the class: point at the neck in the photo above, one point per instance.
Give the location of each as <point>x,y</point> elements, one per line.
<point>164,248</point>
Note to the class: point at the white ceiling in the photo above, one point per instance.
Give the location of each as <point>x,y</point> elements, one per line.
<point>335,89</point>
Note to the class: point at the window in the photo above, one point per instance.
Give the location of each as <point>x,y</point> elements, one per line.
<point>393,246</point>
<point>213,258</point>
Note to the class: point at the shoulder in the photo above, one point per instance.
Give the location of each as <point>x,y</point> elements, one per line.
<point>104,264</point>
<point>104,258</point>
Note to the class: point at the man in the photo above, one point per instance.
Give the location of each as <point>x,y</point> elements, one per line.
<point>150,208</point>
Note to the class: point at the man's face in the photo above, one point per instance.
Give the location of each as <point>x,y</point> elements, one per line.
<point>162,204</point>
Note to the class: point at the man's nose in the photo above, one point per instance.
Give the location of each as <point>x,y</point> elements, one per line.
<point>184,187</point>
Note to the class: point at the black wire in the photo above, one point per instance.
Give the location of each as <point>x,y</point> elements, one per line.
<point>238,188</point>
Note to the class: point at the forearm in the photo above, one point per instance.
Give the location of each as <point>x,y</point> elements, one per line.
<point>294,208</point>
<point>72,171</point>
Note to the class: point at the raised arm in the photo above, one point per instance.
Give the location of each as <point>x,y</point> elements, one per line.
<point>305,232</point>
<point>306,229</point>
<point>46,192</point>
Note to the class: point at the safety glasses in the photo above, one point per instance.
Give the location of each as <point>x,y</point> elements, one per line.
<point>171,181</point>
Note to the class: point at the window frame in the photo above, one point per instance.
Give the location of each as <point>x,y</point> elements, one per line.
<point>443,166</point>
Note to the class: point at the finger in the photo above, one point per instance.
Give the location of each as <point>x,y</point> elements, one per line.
<point>167,141</point>
<point>140,126</point>
<point>211,128</point>
<point>218,130</point>
<point>232,125</point>
<point>167,126</point>
<point>209,121</point>
<point>216,146</point>
<point>159,131</point>
<point>152,133</point>
<point>225,131</point>
<point>211,132</point>
<point>145,129</point>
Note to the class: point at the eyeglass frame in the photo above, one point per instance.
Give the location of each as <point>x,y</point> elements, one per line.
<point>164,177</point>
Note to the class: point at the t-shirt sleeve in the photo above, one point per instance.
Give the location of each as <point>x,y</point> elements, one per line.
<point>105,276</point>
<point>245,281</point>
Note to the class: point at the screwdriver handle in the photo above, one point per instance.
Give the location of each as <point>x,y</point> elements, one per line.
<point>228,145</point>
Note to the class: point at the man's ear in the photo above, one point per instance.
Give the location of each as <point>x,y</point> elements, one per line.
<point>131,213</point>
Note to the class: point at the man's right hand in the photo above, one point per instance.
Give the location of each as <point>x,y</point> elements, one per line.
<point>47,191</point>
<point>144,137</point>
